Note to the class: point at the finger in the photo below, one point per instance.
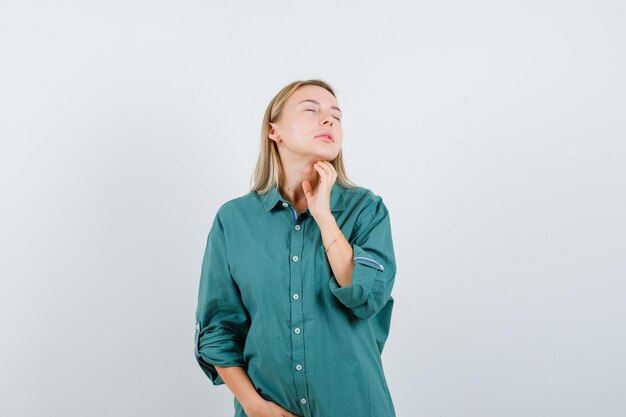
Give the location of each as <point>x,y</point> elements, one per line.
<point>324,165</point>
<point>306,186</point>
<point>328,165</point>
<point>325,170</point>
<point>324,179</point>
<point>320,170</point>
<point>327,175</point>
<point>332,173</point>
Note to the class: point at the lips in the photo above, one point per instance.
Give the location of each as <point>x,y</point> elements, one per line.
<point>326,136</point>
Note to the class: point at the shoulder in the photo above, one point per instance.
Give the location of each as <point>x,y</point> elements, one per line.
<point>365,201</point>
<point>360,194</point>
<point>242,203</point>
<point>233,209</point>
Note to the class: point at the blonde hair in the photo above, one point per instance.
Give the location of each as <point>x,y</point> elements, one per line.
<point>268,169</point>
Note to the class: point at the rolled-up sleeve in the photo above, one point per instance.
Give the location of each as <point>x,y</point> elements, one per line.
<point>374,263</point>
<point>222,321</point>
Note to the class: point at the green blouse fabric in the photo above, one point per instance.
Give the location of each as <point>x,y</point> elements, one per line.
<point>268,302</point>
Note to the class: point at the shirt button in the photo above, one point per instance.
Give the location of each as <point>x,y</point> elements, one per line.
<point>297,227</point>
<point>296,296</point>
<point>299,367</point>
<point>297,330</point>
<point>303,400</point>
<point>295,259</point>
<point>285,204</point>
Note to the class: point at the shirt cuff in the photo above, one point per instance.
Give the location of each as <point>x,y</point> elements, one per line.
<point>367,274</point>
<point>219,350</point>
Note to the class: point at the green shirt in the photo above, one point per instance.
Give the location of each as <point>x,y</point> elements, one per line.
<point>268,302</point>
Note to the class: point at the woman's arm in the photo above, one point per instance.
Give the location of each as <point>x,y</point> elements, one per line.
<point>373,272</point>
<point>238,381</point>
<point>339,251</point>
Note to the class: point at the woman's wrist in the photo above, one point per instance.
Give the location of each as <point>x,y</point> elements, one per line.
<point>238,381</point>
<point>331,243</point>
<point>251,402</point>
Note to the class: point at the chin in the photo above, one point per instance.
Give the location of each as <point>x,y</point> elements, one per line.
<point>324,157</point>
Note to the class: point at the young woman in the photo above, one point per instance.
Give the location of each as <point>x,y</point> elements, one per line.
<point>294,303</point>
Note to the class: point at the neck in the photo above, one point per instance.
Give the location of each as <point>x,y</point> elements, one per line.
<point>291,184</point>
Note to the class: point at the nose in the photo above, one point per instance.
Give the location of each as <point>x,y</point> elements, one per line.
<point>328,120</point>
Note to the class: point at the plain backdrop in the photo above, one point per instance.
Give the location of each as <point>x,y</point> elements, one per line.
<point>494,131</point>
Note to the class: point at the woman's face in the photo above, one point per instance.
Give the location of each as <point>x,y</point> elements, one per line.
<point>310,111</point>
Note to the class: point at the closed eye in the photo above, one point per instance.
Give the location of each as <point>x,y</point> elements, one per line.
<point>315,110</point>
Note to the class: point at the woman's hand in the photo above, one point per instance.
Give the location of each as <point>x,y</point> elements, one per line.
<point>318,200</point>
<point>264,408</point>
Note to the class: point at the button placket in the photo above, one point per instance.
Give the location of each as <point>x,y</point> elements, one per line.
<point>298,233</point>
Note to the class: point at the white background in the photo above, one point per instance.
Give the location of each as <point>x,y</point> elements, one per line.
<point>494,131</point>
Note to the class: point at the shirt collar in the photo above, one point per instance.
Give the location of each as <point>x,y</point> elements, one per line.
<point>273,197</point>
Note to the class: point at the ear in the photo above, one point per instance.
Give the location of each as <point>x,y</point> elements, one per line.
<point>272,134</point>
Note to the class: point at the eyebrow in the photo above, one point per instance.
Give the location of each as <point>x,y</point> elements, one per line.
<point>318,103</point>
